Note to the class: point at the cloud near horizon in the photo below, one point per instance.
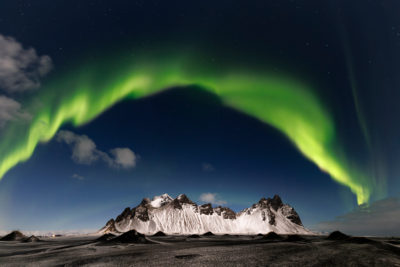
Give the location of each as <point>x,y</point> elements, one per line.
<point>212,198</point>
<point>380,218</point>
<point>84,151</point>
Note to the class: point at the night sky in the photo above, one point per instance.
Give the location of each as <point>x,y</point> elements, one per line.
<point>181,138</point>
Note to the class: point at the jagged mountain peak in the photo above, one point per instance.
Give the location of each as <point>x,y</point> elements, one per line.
<point>182,198</point>
<point>276,202</point>
<point>145,201</point>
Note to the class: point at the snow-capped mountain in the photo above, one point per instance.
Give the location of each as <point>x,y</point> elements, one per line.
<point>183,216</point>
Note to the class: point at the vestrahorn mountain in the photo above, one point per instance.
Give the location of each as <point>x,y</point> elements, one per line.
<point>183,216</point>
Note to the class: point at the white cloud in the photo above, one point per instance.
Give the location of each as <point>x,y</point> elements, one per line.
<point>380,218</point>
<point>10,110</point>
<point>21,69</point>
<point>83,148</point>
<point>77,176</point>
<point>212,198</point>
<point>84,151</point>
<point>124,157</point>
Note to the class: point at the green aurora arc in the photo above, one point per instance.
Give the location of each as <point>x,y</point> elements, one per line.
<point>79,96</point>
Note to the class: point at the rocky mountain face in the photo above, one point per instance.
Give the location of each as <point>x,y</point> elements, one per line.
<point>183,216</point>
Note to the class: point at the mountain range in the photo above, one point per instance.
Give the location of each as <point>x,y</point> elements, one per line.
<point>182,216</point>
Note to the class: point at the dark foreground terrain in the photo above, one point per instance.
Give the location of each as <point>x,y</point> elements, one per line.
<point>209,250</point>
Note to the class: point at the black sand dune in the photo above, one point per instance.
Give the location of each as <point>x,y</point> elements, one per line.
<point>13,236</point>
<point>160,233</point>
<point>131,236</point>
<point>272,236</point>
<point>208,234</point>
<point>194,236</point>
<point>337,235</point>
<point>106,237</point>
<point>31,239</point>
<point>346,239</point>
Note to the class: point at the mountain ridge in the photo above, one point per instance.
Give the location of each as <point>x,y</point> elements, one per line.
<point>181,215</point>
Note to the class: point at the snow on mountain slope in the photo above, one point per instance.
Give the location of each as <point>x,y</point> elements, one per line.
<point>183,216</point>
<point>159,201</point>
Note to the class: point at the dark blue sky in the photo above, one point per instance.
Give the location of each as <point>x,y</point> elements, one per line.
<point>175,133</point>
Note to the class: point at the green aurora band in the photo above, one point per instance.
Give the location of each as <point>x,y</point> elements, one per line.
<point>78,97</point>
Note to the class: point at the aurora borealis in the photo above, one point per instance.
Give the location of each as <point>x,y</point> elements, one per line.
<point>286,105</point>
<point>230,98</point>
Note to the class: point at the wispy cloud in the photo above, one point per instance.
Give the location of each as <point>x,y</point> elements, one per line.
<point>77,176</point>
<point>212,198</point>
<point>380,218</point>
<point>84,151</point>
<point>207,167</point>
<point>11,110</point>
<point>21,69</point>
